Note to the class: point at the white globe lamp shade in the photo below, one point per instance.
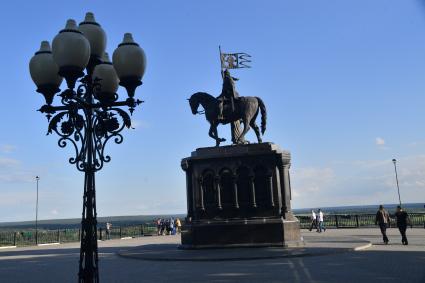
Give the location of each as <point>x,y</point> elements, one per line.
<point>94,34</point>
<point>129,61</point>
<point>44,72</point>
<point>104,74</point>
<point>71,52</point>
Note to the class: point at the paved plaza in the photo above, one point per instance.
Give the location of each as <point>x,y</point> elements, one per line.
<point>344,255</point>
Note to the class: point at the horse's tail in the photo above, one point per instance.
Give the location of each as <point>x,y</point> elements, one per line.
<point>263,115</point>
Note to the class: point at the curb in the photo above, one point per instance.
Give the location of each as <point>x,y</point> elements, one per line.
<point>48,244</point>
<point>7,247</point>
<point>140,254</point>
<point>364,247</point>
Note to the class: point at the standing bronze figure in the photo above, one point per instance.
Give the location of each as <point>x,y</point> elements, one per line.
<point>229,94</point>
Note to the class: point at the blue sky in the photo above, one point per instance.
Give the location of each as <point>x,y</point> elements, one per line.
<point>343,82</point>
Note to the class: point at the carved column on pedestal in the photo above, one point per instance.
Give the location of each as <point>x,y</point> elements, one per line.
<point>235,190</point>
<point>270,188</point>
<point>285,187</point>
<point>189,194</point>
<point>252,188</point>
<point>218,189</point>
<point>201,193</point>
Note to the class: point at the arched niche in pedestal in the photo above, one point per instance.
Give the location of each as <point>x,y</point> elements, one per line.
<point>226,187</point>
<point>244,193</point>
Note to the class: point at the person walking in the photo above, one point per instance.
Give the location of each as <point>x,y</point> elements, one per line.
<point>162,229</point>
<point>402,221</point>
<point>172,227</point>
<point>313,220</point>
<point>383,219</point>
<point>179,226</point>
<point>321,222</point>
<point>108,230</point>
<point>158,226</point>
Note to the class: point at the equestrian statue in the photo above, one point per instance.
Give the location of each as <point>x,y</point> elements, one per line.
<point>227,108</point>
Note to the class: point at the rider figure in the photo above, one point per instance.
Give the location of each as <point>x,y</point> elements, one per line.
<point>228,93</point>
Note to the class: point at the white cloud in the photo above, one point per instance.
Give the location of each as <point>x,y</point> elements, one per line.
<point>139,124</point>
<point>26,177</point>
<point>413,144</point>
<point>411,172</point>
<point>8,162</point>
<point>11,170</point>
<point>54,212</point>
<point>7,148</point>
<point>368,164</point>
<point>379,141</point>
<point>16,198</point>
<point>310,181</point>
<point>359,182</point>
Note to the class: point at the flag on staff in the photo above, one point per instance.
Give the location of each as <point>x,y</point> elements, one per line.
<point>234,60</point>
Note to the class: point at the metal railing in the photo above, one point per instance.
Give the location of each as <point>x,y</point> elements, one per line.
<point>359,220</point>
<point>27,237</point>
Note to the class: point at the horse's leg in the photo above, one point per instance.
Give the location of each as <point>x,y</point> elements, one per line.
<point>256,130</point>
<point>211,133</point>
<point>246,128</point>
<point>218,139</point>
<point>255,127</point>
<point>214,134</point>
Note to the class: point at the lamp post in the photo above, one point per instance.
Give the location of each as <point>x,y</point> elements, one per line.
<point>90,114</point>
<point>396,178</point>
<point>36,213</point>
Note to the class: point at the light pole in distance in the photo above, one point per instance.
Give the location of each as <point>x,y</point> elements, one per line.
<point>396,178</point>
<point>36,213</point>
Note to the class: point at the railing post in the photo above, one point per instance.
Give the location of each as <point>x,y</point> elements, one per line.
<point>423,217</point>
<point>336,221</point>
<point>141,229</point>
<point>357,221</point>
<point>59,236</point>
<point>14,237</point>
<point>120,232</point>
<point>79,234</point>
<point>100,234</point>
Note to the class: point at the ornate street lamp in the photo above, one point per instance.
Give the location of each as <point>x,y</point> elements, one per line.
<point>396,178</point>
<point>90,114</point>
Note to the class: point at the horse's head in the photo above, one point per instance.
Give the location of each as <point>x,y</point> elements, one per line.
<point>194,104</point>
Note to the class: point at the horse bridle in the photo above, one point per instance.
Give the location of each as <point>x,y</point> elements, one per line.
<point>198,112</point>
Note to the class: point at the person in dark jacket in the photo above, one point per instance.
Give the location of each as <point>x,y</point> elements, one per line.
<point>402,221</point>
<point>382,219</point>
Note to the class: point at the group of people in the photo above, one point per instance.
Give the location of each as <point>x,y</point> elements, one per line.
<point>317,221</point>
<point>383,220</point>
<point>168,226</point>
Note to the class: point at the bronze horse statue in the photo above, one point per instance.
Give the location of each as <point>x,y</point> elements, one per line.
<point>246,109</point>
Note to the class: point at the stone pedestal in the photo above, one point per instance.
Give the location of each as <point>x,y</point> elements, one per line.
<point>239,195</point>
